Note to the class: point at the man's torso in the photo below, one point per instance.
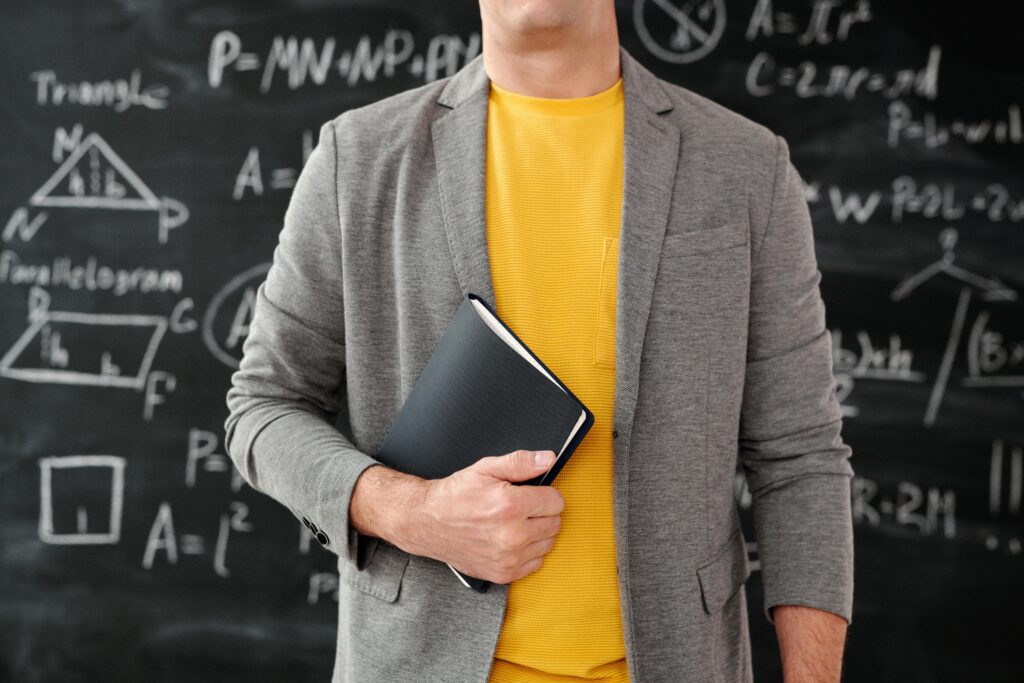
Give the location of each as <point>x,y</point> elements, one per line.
<point>411,205</point>
<point>553,194</point>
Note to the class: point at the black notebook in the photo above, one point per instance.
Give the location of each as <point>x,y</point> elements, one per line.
<point>482,392</point>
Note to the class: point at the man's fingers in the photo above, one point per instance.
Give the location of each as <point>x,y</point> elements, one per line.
<point>538,548</point>
<point>531,566</point>
<point>520,465</point>
<point>539,528</point>
<point>539,501</point>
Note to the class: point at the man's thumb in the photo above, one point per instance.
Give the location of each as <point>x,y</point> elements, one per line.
<point>518,465</point>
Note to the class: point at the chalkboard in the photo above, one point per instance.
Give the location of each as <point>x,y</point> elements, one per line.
<point>148,154</point>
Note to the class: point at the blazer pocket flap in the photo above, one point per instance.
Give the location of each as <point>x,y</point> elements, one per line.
<point>702,241</point>
<point>382,575</point>
<point>723,575</point>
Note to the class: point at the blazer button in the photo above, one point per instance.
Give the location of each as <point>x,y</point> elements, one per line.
<point>322,537</point>
<point>615,433</point>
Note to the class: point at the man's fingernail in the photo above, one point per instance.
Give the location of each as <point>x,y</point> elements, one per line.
<point>543,457</point>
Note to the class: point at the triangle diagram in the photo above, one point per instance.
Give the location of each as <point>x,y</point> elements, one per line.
<point>94,176</point>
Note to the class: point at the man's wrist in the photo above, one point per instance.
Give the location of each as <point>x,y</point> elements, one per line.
<point>385,503</point>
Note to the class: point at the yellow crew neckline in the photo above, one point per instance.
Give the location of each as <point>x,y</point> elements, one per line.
<point>559,106</point>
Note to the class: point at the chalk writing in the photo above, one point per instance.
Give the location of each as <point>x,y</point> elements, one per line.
<point>164,540</point>
<point>251,176</point>
<point>908,197</point>
<point>993,359</point>
<point>891,362</point>
<point>1006,481</point>
<point>827,23</point>
<point>305,62</point>
<point>928,510</point>
<point>903,126</point>
<point>808,79</point>
<point>119,94</point>
<point>202,456</point>
<point>90,274</point>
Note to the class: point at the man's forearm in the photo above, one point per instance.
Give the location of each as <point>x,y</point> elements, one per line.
<point>811,643</point>
<point>384,501</point>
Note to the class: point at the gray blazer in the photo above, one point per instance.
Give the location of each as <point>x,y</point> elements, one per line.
<point>721,351</point>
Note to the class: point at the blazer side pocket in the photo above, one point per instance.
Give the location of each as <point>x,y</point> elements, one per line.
<point>383,573</point>
<point>722,576</point>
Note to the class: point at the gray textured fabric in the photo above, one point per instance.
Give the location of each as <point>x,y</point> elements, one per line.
<point>722,351</point>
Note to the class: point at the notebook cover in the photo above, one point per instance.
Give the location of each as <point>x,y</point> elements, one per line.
<point>475,397</point>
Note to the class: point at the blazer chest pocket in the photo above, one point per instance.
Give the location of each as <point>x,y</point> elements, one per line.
<point>703,241</point>
<point>382,575</point>
<point>722,576</point>
<point>604,331</point>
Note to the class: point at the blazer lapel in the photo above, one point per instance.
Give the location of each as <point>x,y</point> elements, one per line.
<point>460,153</point>
<point>650,155</point>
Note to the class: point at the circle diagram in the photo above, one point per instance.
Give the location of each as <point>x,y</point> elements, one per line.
<point>679,33</point>
<point>226,322</point>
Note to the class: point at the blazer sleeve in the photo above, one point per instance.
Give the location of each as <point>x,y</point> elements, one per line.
<point>791,450</point>
<point>288,388</point>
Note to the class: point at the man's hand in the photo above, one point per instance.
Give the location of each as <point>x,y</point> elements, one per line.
<point>482,524</point>
<point>811,643</point>
<point>475,519</point>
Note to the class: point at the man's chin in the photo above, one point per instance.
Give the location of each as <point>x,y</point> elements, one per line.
<point>542,16</point>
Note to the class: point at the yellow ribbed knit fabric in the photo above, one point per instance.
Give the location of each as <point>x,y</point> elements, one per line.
<point>553,197</point>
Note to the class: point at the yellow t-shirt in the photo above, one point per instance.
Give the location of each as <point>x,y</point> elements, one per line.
<point>554,198</point>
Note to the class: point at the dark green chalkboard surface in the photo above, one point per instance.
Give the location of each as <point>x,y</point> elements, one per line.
<point>147,154</point>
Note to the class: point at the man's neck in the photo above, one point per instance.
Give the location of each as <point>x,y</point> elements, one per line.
<point>558,66</point>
